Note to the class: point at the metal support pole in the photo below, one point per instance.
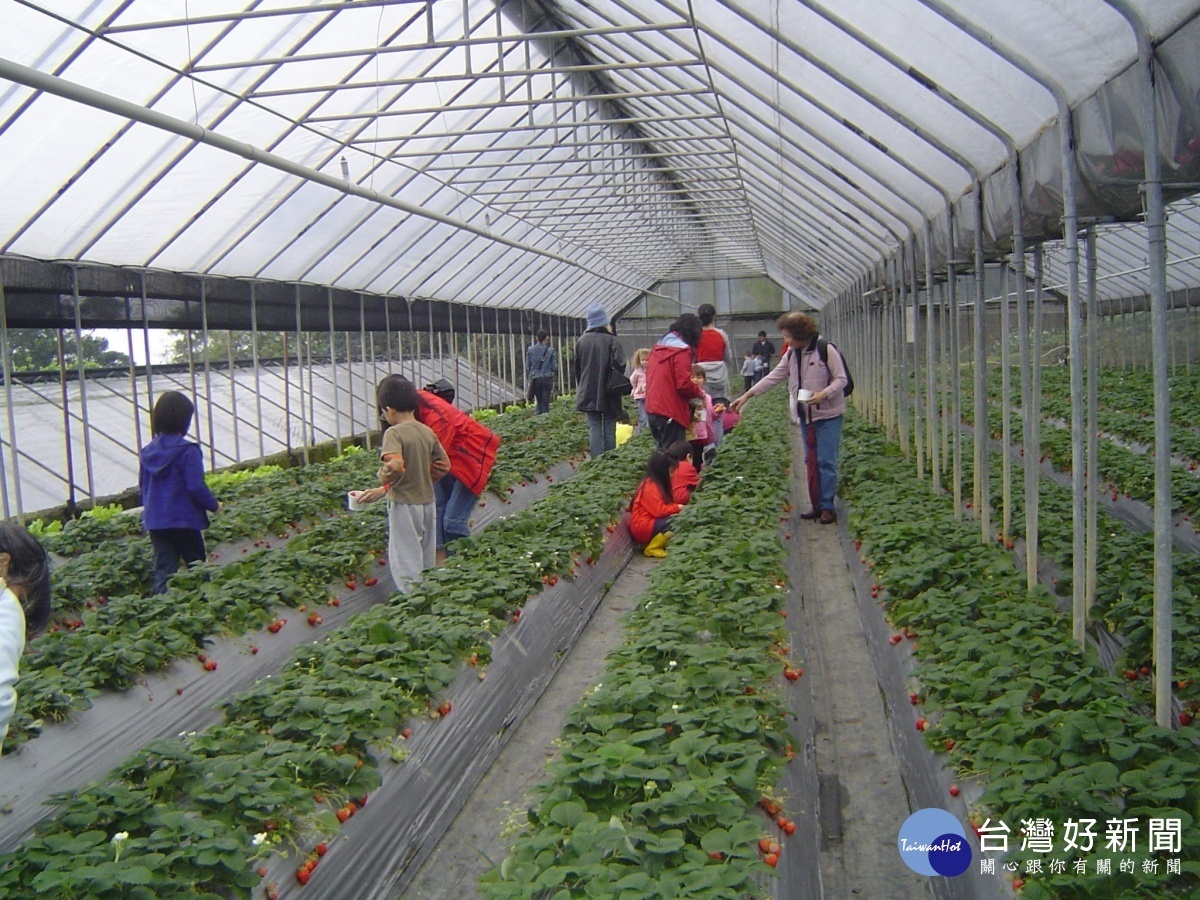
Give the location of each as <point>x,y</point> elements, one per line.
<point>367,391</point>
<point>83,404</point>
<point>307,428</point>
<point>1156,237</point>
<point>1034,438</point>
<point>146,343</point>
<point>233,416</point>
<point>1005,410</point>
<point>955,370</point>
<point>918,429</point>
<point>208,405</point>
<point>133,384</point>
<point>10,414</point>
<point>1030,455</point>
<point>350,386</point>
<point>902,351</point>
<point>262,451</point>
<point>337,411</point>
<point>935,468</point>
<point>1092,473</point>
<point>1075,351</point>
<point>68,447</point>
<point>983,499</point>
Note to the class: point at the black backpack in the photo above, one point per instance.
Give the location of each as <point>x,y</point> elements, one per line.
<point>823,352</point>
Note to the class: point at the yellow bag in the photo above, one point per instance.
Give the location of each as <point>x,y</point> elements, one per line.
<point>624,432</point>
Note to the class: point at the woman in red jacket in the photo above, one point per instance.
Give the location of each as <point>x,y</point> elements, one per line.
<point>471,447</point>
<point>653,505</point>
<point>669,384</point>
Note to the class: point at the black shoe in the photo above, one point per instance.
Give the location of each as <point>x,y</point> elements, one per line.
<point>811,514</point>
<point>828,517</point>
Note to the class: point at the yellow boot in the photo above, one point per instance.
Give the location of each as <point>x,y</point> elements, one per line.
<point>655,549</point>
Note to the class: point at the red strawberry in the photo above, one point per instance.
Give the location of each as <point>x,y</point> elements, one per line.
<point>914,698</point>
<point>445,708</point>
<point>1185,719</point>
<point>352,585</point>
<point>921,724</point>
<point>954,792</point>
<point>178,691</point>
<point>717,855</point>
<point>382,562</point>
<point>262,871</point>
<point>254,651</point>
<point>315,619</point>
<point>790,828</point>
<point>343,814</point>
<point>764,844</point>
<point>371,582</point>
<point>406,733</point>
<point>336,601</point>
<point>322,849</point>
<point>210,665</point>
<point>771,859</point>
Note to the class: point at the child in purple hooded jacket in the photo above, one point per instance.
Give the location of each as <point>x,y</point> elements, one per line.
<point>175,499</point>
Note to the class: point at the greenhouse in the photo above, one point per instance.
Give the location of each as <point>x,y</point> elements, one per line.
<point>976,225</point>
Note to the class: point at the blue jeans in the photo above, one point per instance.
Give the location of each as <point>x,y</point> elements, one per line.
<point>455,505</point>
<point>643,422</point>
<point>602,433</point>
<point>829,441</point>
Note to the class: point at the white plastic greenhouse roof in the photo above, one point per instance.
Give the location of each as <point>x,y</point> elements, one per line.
<point>544,155</point>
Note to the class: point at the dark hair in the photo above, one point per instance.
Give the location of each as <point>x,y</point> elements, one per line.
<point>707,312</point>
<point>680,450</point>
<point>172,414</point>
<point>658,470</point>
<point>762,334</point>
<point>542,335</point>
<point>688,327</point>
<point>698,371</point>
<point>29,571</point>
<point>397,392</point>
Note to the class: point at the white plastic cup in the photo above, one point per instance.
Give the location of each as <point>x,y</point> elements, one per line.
<point>353,502</point>
<point>803,396</point>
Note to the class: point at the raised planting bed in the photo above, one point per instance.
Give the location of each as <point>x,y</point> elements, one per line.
<point>301,747</point>
<point>661,767</point>
<point>108,631</point>
<point>180,697</point>
<point>1034,728</point>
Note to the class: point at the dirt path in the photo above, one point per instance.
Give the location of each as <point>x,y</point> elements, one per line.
<point>477,838</point>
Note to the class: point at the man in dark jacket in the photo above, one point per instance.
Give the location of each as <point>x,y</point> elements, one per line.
<point>669,385</point>
<point>597,353</point>
<point>764,350</point>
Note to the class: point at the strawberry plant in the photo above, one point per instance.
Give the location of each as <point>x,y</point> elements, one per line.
<point>1045,728</point>
<point>661,765</point>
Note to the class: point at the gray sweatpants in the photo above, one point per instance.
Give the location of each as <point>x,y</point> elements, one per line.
<point>412,540</point>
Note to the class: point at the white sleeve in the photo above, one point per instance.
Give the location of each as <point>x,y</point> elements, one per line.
<point>12,644</point>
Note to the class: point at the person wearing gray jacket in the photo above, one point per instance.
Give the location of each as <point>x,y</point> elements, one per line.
<point>597,352</point>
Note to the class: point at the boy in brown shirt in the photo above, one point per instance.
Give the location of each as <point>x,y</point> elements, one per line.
<point>413,459</point>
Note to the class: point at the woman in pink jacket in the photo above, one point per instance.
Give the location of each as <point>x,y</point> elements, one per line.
<point>815,387</point>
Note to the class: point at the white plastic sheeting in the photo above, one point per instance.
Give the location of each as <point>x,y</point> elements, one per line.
<point>631,141</point>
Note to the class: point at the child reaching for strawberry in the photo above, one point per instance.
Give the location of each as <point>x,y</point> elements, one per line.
<point>413,459</point>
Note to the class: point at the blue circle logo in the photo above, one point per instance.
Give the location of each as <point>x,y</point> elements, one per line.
<point>933,842</point>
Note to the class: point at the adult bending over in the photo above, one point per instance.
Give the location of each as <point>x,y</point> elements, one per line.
<point>596,354</point>
<point>819,413</point>
<point>669,385</point>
